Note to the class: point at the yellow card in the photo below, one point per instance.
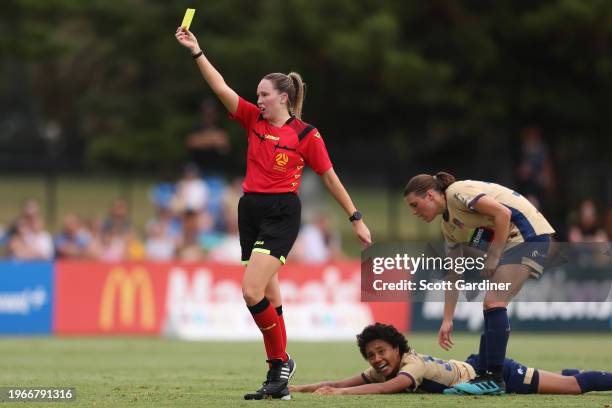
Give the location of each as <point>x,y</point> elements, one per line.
<point>188,17</point>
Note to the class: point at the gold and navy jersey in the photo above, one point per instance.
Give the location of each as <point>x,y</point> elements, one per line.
<point>463,225</point>
<point>428,374</point>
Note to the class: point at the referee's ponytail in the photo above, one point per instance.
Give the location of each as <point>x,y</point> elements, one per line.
<point>300,93</point>
<point>295,88</point>
<point>420,184</point>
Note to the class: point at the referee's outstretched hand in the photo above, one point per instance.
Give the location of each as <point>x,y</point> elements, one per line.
<point>362,232</point>
<point>187,39</point>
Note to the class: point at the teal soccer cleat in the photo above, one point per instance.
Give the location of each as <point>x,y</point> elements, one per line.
<point>453,391</point>
<point>486,384</point>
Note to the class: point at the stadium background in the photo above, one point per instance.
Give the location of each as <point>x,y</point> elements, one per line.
<point>97,101</point>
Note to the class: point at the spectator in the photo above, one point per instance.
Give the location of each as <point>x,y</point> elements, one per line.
<point>112,246</point>
<point>318,240</point>
<point>115,240</point>
<point>207,143</point>
<point>164,218</point>
<point>30,241</point>
<point>587,229</point>
<point>535,175</point>
<point>4,236</point>
<point>117,219</point>
<point>94,226</point>
<point>228,248</point>
<point>161,243</point>
<point>191,191</point>
<point>163,232</point>
<point>73,241</point>
<point>189,247</point>
<point>30,210</point>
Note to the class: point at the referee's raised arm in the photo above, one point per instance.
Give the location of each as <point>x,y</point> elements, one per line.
<point>213,78</point>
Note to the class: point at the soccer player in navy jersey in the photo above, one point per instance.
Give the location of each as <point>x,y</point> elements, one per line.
<point>280,144</point>
<point>395,368</point>
<point>516,238</point>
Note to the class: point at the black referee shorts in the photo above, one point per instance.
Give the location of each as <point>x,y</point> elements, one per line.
<point>268,223</point>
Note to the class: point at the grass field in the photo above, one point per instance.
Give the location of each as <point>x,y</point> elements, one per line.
<point>151,372</point>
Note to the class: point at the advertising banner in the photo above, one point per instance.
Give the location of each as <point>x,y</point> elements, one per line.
<point>550,286</point>
<point>101,298</point>
<point>204,301</point>
<point>26,297</point>
<point>524,316</point>
<point>319,302</point>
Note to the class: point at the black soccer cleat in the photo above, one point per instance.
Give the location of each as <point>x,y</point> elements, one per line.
<point>265,394</point>
<point>291,365</point>
<point>275,386</point>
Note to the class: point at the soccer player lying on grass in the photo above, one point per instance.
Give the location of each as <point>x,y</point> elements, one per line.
<point>395,368</point>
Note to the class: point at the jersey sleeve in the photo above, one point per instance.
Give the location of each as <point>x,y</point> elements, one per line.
<point>415,370</point>
<point>464,196</point>
<point>370,375</point>
<point>246,114</point>
<point>313,150</point>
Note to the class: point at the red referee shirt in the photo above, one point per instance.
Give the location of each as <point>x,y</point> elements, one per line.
<point>276,155</point>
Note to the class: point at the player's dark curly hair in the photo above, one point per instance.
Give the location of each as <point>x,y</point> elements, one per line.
<point>385,332</point>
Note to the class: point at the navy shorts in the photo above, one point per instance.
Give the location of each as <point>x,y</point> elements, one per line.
<point>519,378</point>
<point>532,253</point>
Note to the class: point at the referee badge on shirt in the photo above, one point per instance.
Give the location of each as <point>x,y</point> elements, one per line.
<point>282,159</point>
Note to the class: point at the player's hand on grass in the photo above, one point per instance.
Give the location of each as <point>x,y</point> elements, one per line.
<point>362,232</point>
<point>187,39</point>
<point>301,388</point>
<point>309,387</point>
<point>445,339</point>
<point>326,390</point>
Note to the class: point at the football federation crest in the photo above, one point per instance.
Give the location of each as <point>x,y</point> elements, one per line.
<point>282,159</point>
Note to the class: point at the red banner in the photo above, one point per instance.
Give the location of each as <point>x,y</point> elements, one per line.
<point>100,298</point>
<point>204,301</point>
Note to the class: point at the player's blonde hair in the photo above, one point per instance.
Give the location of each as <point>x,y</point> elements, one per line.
<point>294,86</point>
<point>420,184</point>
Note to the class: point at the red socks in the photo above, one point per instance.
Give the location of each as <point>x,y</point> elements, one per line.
<point>269,322</point>
<point>281,321</point>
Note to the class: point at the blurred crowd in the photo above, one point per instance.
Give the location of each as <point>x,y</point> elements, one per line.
<point>535,178</point>
<point>195,219</point>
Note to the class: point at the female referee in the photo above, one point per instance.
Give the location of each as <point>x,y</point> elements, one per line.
<point>279,145</point>
<point>516,238</point>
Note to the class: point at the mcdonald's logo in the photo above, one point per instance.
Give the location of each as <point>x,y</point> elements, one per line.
<point>125,287</point>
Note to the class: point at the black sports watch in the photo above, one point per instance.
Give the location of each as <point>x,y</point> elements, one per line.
<point>356,216</point>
